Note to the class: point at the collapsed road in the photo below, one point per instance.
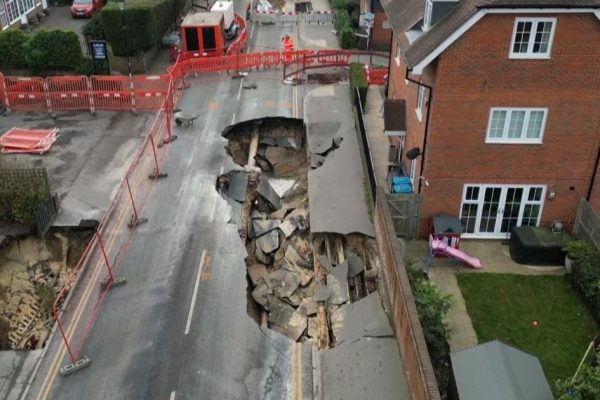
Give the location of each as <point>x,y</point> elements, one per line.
<point>298,204</point>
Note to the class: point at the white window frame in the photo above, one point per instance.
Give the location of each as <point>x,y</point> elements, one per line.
<point>420,101</point>
<point>427,14</point>
<point>522,139</point>
<point>3,16</point>
<point>529,53</point>
<point>397,58</point>
<point>413,171</point>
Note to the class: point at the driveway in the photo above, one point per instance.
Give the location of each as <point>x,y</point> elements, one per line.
<point>60,18</point>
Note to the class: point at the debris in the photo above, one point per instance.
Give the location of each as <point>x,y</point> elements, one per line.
<point>289,142</point>
<point>297,324</point>
<point>257,272</point>
<point>310,306</point>
<point>262,226</point>
<point>280,312</point>
<point>269,242</point>
<point>238,184</point>
<point>283,282</point>
<point>322,293</point>
<point>337,282</point>
<point>289,168</point>
<point>298,218</point>
<point>355,265</point>
<point>326,263</point>
<point>282,186</point>
<point>263,163</point>
<point>260,294</point>
<point>278,155</point>
<point>267,192</point>
<point>364,318</point>
<point>266,259</point>
<point>287,228</point>
<point>312,327</point>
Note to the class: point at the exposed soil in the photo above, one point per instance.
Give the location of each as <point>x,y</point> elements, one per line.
<point>32,271</point>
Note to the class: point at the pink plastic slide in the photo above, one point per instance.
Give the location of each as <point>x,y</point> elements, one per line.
<point>438,246</point>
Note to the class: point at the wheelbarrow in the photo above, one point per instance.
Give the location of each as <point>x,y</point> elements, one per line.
<point>183,118</point>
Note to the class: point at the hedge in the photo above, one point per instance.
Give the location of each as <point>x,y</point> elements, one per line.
<point>585,277</point>
<point>145,22</point>
<point>40,51</point>
<point>358,79</point>
<point>11,49</point>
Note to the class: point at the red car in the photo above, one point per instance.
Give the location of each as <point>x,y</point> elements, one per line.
<point>86,8</point>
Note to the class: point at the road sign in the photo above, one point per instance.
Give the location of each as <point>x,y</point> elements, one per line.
<point>99,49</point>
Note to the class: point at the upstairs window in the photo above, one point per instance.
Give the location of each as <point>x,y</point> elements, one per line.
<point>516,125</point>
<point>420,101</point>
<point>532,37</point>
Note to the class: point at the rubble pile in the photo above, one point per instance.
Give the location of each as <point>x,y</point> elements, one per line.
<point>296,278</point>
<point>31,272</point>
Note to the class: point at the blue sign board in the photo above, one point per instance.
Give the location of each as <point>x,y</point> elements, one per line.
<point>99,50</point>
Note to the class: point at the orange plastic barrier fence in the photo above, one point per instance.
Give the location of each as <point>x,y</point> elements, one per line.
<point>111,92</point>
<point>69,93</point>
<point>25,93</point>
<point>2,91</point>
<point>150,91</point>
<point>376,77</point>
<point>270,58</point>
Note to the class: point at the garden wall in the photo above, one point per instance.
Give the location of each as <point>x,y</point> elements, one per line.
<point>419,371</point>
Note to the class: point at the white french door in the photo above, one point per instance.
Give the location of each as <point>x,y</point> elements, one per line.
<point>491,211</point>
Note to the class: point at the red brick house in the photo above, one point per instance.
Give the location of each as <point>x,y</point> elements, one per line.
<point>380,32</point>
<point>502,101</point>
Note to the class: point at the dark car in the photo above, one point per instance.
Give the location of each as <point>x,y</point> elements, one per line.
<point>86,8</point>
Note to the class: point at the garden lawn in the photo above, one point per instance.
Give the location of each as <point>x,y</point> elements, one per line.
<point>503,306</point>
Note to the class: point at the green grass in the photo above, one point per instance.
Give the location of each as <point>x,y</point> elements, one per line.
<point>503,306</point>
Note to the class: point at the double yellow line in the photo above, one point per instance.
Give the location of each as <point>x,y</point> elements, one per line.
<point>97,270</point>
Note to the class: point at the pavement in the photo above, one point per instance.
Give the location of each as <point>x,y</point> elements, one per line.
<point>88,160</point>
<point>495,258</point>
<point>379,144</point>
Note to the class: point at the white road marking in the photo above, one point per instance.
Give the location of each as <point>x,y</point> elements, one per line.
<point>191,312</point>
<point>233,119</point>
<point>172,395</point>
<point>240,89</point>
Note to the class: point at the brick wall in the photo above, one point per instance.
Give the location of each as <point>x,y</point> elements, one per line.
<point>409,334</point>
<point>475,74</point>
<point>380,37</point>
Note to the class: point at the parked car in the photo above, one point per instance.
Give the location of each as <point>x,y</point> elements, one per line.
<point>86,8</point>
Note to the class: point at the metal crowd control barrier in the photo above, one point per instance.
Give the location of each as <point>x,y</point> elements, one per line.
<point>104,255</point>
<point>277,17</point>
<point>69,93</point>
<point>25,93</point>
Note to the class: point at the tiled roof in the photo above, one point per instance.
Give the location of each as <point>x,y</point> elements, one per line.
<point>404,14</point>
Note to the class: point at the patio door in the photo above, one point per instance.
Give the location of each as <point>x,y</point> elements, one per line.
<point>493,210</point>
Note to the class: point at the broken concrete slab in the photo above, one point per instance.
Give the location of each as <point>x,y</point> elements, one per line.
<point>262,226</point>
<point>257,215</point>
<point>269,242</point>
<point>263,163</point>
<point>238,184</point>
<point>304,275</point>
<point>266,191</point>
<point>294,259</point>
<point>336,189</point>
<point>297,324</point>
<point>368,368</point>
<point>337,282</point>
<point>299,218</point>
<point>257,272</point>
<point>287,228</point>
<point>235,212</point>
<point>284,282</point>
<point>278,155</point>
<point>266,259</point>
<point>364,318</point>
<point>312,329</point>
<point>322,293</point>
<point>289,142</point>
<point>280,312</point>
<point>267,141</point>
<point>325,262</point>
<point>260,294</point>
<point>310,306</point>
<point>288,169</point>
<point>282,186</point>
<point>355,266</point>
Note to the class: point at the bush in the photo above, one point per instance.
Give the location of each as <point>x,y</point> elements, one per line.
<point>145,20</point>
<point>53,49</point>
<point>585,386</point>
<point>358,79</point>
<point>342,20</point>
<point>93,29</point>
<point>586,276</point>
<point>338,4</point>
<point>12,54</point>
<point>432,306</point>
<point>86,67</point>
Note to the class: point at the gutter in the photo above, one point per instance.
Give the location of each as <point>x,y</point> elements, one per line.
<point>426,135</point>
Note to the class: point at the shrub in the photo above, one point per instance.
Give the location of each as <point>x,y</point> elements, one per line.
<point>145,21</point>
<point>586,277</point>
<point>53,49</point>
<point>86,67</point>
<point>342,20</point>
<point>358,79</point>
<point>93,29</point>
<point>432,306</point>
<point>346,38</point>
<point>585,386</point>
<point>12,54</point>
<point>338,4</point>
